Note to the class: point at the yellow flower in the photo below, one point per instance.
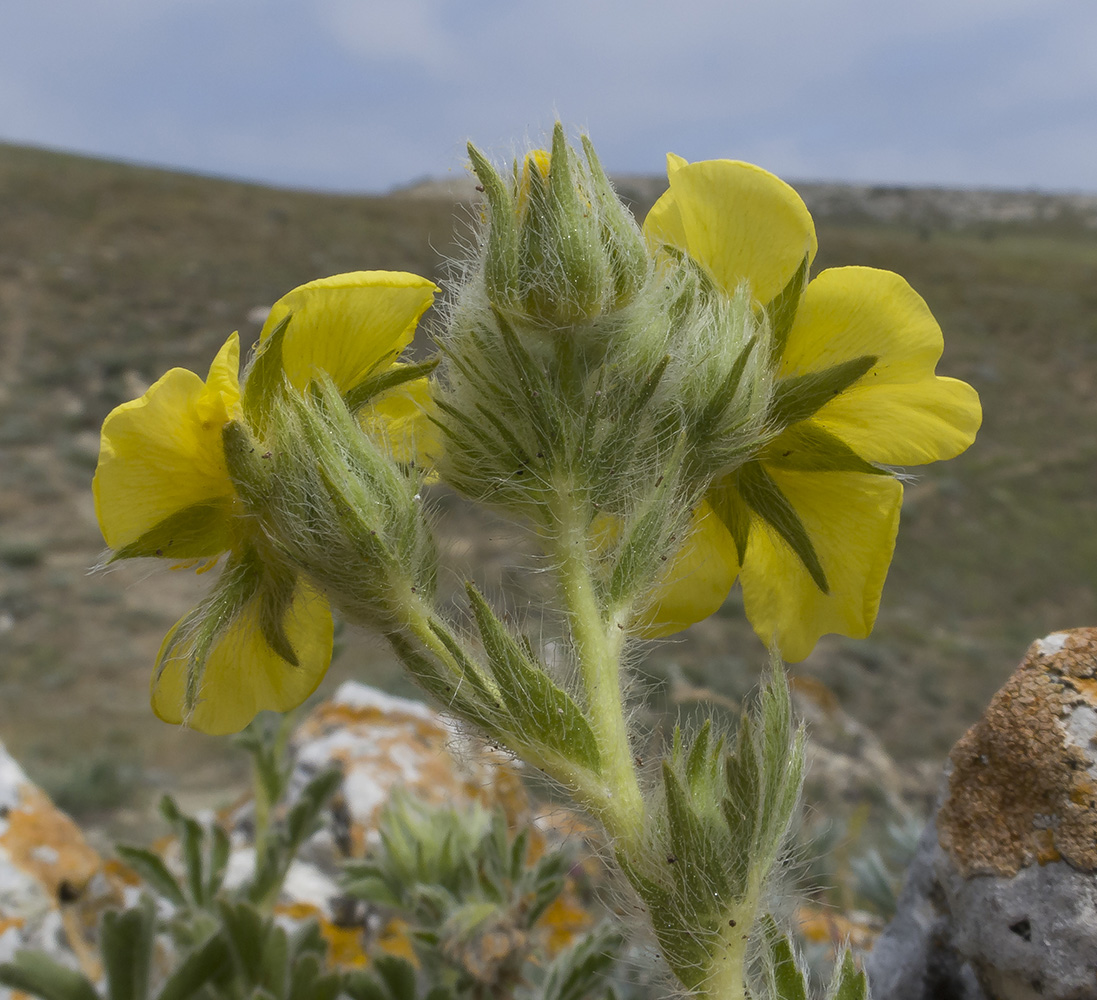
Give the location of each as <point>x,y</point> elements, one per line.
<point>162,488</point>
<point>808,525</point>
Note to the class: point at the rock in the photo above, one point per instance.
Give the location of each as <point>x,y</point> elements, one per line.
<point>1001,901</point>
<point>53,885</point>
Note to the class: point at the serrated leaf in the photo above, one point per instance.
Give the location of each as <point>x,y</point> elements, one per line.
<point>699,860</point>
<point>543,713</point>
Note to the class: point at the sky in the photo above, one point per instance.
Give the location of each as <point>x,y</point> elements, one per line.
<point>360,96</point>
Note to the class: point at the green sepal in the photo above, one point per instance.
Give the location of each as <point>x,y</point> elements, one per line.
<point>781,310</point>
<point>728,505</point>
<point>809,447</point>
<point>543,713</point>
<point>385,381</point>
<point>36,973</point>
<point>764,497</point>
<point>501,252</point>
<point>800,396</point>
<point>726,395</point>
<point>265,378</point>
<point>201,531</point>
<point>624,244</point>
<point>275,600</point>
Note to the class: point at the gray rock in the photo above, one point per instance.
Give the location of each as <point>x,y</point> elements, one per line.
<point>1000,902</point>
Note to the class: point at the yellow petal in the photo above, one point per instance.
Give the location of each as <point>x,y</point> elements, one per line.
<point>697,580</point>
<point>851,518</point>
<point>739,221</point>
<point>162,453</point>
<point>347,324</point>
<point>243,675</point>
<point>398,421</point>
<point>899,412</point>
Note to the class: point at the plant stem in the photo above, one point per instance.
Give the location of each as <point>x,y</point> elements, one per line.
<point>598,646</point>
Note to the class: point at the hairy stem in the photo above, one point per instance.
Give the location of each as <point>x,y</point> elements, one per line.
<point>599,643</point>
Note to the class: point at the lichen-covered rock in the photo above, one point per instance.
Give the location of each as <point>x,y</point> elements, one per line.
<point>53,885</point>
<point>1001,900</point>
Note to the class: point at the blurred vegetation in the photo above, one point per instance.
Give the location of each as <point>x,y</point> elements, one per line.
<point>110,274</point>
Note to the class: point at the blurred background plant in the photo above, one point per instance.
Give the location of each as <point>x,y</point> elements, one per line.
<point>459,906</point>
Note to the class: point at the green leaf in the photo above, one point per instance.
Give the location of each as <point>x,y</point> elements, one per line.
<point>764,497</point>
<point>36,973</point>
<point>126,946</point>
<point>698,763</point>
<point>398,975</point>
<point>543,713</point>
<point>200,531</point>
<point>191,840</point>
<point>798,397</point>
<point>220,848</point>
<point>206,963</point>
<point>808,447</point>
<point>699,859</point>
<point>152,871</point>
<point>265,378</point>
<point>850,983</point>
<point>740,807</point>
<point>575,973</point>
<point>788,979</point>
<point>247,935</point>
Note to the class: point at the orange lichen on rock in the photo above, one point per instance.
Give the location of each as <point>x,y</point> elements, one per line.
<point>382,742</point>
<point>1023,785</point>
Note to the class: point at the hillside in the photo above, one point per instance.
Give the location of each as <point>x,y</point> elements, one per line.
<point>111,274</point>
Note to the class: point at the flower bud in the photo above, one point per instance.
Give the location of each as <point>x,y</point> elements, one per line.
<point>560,248</point>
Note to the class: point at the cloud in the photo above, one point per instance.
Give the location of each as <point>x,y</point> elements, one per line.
<point>353,94</point>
